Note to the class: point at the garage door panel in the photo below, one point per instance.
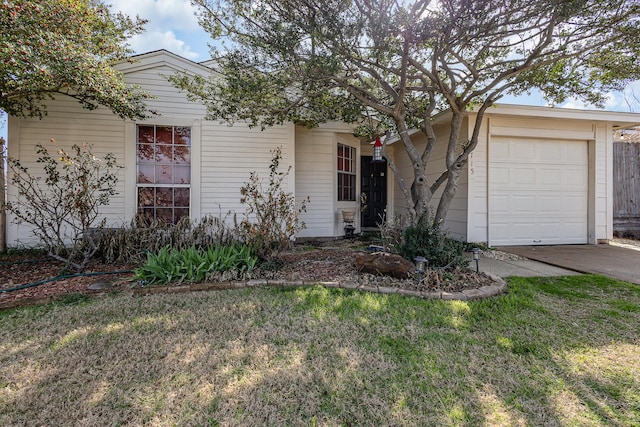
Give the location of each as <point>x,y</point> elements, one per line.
<point>523,203</point>
<point>550,205</point>
<point>521,150</point>
<point>550,154</point>
<point>500,150</point>
<point>575,153</point>
<point>521,176</point>
<point>500,176</point>
<point>538,192</point>
<point>500,204</point>
<point>576,177</point>
<point>549,177</point>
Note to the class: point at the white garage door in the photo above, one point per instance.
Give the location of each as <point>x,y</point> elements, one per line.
<point>538,191</point>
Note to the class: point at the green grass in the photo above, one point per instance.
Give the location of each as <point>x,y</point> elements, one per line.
<point>548,352</point>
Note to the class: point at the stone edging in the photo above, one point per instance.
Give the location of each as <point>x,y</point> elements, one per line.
<point>466,295</point>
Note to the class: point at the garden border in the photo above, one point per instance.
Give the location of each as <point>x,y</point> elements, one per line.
<point>465,295</point>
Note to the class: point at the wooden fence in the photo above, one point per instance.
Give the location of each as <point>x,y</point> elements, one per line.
<point>626,188</point>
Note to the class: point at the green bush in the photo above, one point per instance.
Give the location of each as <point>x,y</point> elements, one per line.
<point>430,241</point>
<point>194,265</point>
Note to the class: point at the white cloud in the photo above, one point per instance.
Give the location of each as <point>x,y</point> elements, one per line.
<point>166,14</point>
<point>171,25</point>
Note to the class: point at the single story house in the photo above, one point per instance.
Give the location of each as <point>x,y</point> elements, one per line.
<point>538,175</point>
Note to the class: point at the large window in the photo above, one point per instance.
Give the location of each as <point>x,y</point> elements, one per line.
<point>346,173</point>
<point>164,172</point>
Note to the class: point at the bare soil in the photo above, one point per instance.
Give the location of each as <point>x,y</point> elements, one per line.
<point>325,262</point>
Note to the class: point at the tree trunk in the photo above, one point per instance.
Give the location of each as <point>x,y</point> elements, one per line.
<point>454,168</point>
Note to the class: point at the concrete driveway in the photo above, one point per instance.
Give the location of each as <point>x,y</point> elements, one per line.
<point>608,260</point>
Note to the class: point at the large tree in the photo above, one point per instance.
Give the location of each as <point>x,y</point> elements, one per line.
<point>398,63</point>
<point>68,47</point>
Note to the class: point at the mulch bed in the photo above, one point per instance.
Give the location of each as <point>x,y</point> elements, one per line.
<point>18,271</point>
<point>332,261</point>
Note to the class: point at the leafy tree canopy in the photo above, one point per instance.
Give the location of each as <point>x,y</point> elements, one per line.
<point>69,47</point>
<point>397,63</point>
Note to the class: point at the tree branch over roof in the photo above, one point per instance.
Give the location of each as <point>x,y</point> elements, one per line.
<point>402,62</point>
<point>51,47</point>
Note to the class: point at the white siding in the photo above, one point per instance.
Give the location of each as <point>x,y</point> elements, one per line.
<point>230,154</point>
<point>456,220</point>
<point>603,182</point>
<point>67,124</point>
<point>316,177</point>
<point>223,156</point>
<point>478,193</point>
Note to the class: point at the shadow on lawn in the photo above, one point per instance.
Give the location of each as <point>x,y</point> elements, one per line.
<point>539,354</point>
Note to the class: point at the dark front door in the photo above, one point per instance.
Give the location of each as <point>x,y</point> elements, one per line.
<point>374,188</point>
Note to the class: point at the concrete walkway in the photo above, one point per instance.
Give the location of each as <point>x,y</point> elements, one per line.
<point>611,261</point>
<point>521,268</point>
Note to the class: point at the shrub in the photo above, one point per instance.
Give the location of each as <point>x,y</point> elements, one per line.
<point>392,232</point>
<point>63,205</point>
<point>422,238</point>
<point>429,240</point>
<point>194,265</point>
<point>271,218</point>
<point>132,242</point>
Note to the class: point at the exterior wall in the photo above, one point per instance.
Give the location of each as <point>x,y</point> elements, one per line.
<point>316,177</point>
<point>67,124</point>
<point>223,156</point>
<point>221,160</point>
<point>230,154</point>
<point>456,221</point>
<point>477,228</point>
<point>550,128</point>
<point>603,182</point>
<point>469,213</point>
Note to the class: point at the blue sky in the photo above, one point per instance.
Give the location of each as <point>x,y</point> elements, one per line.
<point>172,25</point>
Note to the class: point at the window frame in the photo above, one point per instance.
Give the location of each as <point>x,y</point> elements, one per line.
<point>156,162</point>
<point>346,173</point>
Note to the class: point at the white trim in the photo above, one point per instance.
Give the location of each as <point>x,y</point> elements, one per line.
<point>161,58</point>
<point>130,170</point>
<point>195,208</point>
<point>131,167</point>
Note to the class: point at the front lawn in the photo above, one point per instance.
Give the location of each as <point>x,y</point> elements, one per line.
<point>562,351</point>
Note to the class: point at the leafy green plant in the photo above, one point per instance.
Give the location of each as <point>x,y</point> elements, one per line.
<point>428,239</point>
<point>63,205</point>
<point>271,218</point>
<point>190,265</point>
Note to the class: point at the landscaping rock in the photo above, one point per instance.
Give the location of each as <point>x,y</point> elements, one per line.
<point>384,263</point>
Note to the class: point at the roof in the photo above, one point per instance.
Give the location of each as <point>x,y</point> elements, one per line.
<point>162,57</point>
<point>620,120</point>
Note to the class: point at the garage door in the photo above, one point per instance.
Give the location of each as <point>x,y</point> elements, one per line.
<point>538,191</point>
